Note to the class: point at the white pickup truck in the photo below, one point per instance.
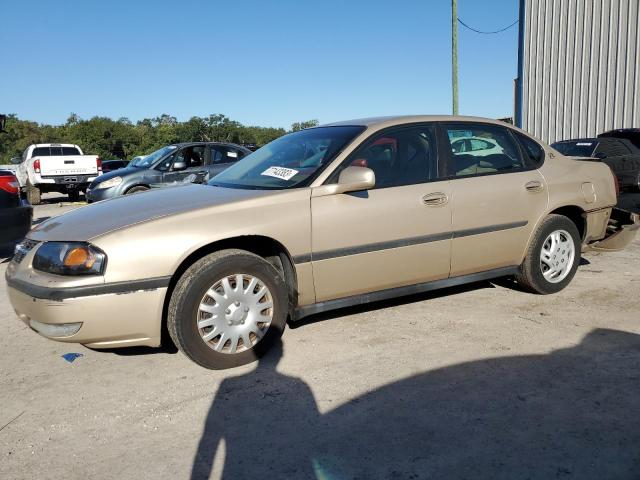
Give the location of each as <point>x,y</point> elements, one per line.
<point>56,167</point>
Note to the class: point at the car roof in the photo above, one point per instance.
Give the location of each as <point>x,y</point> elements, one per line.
<point>390,121</point>
<point>40,145</point>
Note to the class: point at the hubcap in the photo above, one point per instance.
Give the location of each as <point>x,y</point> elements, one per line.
<point>557,256</point>
<point>235,313</point>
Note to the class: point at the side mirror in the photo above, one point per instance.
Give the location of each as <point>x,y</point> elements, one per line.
<point>15,161</point>
<point>354,179</point>
<point>601,155</point>
<point>351,179</point>
<point>180,165</point>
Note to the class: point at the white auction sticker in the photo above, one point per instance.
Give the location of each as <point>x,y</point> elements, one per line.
<point>280,172</point>
<point>584,144</point>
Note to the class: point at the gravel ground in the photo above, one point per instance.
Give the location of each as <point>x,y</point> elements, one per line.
<point>483,381</point>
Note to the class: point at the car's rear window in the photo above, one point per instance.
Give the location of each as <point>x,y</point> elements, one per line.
<point>583,148</point>
<point>70,151</point>
<point>49,151</point>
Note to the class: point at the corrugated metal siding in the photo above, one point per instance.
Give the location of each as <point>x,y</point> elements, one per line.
<point>581,67</point>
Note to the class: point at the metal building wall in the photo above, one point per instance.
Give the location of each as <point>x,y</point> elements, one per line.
<point>580,67</point>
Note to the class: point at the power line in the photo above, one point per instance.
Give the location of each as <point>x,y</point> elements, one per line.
<point>487,33</point>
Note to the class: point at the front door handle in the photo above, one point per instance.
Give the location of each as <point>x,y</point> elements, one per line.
<point>534,186</point>
<point>435,199</point>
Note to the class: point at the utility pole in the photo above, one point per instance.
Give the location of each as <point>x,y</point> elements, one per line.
<point>454,54</point>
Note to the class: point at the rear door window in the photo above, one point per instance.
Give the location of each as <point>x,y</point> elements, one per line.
<point>612,148</point>
<point>223,154</point>
<point>533,153</point>
<point>490,149</point>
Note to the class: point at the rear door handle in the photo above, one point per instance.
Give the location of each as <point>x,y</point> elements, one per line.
<point>435,199</point>
<point>533,186</point>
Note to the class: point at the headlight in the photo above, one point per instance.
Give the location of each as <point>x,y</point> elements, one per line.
<point>112,182</point>
<point>69,258</point>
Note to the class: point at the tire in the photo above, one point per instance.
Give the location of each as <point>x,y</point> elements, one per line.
<point>531,275</point>
<point>74,195</point>
<point>137,189</point>
<point>190,294</point>
<point>33,194</point>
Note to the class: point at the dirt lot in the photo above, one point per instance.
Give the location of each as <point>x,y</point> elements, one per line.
<point>477,382</point>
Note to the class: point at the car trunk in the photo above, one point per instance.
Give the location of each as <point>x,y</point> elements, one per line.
<point>68,165</point>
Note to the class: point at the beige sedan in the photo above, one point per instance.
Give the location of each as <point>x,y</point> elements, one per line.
<point>327,217</point>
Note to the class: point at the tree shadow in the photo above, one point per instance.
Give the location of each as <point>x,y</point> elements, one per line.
<point>571,413</point>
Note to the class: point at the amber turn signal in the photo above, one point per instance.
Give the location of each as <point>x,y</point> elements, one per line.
<point>79,257</point>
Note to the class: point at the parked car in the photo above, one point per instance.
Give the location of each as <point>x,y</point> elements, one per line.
<point>170,164</point>
<point>56,167</point>
<point>622,156</point>
<point>631,134</point>
<point>111,165</point>
<point>479,146</point>
<point>136,160</point>
<point>12,166</point>
<point>15,214</point>
<point>323,218</point>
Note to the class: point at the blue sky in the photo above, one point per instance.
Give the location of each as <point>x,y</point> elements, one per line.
<point>267,63</point>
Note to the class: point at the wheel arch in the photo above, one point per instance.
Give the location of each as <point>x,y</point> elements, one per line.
<point>139,184</point>
<point>576,215</point>
<point>266,247</point>
<point>573,212</point>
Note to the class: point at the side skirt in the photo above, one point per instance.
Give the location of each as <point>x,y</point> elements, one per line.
<point>364,298</point>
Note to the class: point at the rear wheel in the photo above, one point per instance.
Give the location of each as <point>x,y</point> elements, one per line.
<point>33,194</point>
<point>553,256</point>
<point>227,309</point>
<point>137,189</point>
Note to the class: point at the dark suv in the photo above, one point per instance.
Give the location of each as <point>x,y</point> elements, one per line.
<point>619,153</point>
<point>631,134</point>
<point>196,162</point>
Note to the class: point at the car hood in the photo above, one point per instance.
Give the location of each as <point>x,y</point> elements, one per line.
<point>96,219</point>
<point>120,172</point>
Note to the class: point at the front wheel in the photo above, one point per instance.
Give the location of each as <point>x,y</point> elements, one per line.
<point>227,309</point>
<point>553,256</point>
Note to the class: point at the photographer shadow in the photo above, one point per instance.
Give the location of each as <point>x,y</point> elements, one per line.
<point>570,413</point>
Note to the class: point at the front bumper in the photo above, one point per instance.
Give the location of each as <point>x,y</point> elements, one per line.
<point>95,195</point>
<point>110,315</point>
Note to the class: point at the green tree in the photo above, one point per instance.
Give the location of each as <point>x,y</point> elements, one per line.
<point>296,127</point>
<point>122,138</point>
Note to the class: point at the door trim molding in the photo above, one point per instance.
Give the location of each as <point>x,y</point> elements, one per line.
<point>404,242</point>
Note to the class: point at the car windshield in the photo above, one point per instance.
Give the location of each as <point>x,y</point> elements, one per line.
<point>150,159</point>
<point>290,161</point>
<point>582,148</point>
